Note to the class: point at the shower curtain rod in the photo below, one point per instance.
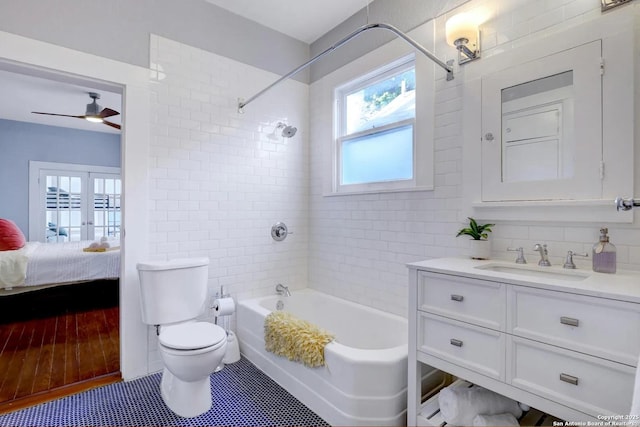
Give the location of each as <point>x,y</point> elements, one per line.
<point>397,32</point>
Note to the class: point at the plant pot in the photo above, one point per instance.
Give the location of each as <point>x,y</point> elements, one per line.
<point>480,249</point>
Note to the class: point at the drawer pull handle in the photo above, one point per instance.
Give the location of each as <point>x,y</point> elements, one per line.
<point>569,321</point>
<point>457,297</point>
<point>456,342</point>
<point>569,379</point>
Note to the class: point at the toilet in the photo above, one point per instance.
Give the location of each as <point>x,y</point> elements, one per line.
<point>172,295</point>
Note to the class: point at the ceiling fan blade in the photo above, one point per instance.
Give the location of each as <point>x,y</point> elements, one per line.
<point>61,115</point>
<point>108,112</point>
<point>113,125</point>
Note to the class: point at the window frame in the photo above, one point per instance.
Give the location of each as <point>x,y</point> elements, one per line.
<point>38,193</point>
<point>341,92</point>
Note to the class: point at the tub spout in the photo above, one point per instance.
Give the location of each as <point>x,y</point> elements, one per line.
<point>282,290</point>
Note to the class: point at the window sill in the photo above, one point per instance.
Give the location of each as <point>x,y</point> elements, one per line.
<point>390,190</point>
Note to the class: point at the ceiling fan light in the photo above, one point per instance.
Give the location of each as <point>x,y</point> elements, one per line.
<point>94,119</point>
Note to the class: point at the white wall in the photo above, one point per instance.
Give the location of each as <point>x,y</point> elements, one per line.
<point>220,179</point>
<point>359,244</point>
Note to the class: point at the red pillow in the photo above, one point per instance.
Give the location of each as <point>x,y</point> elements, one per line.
<point>11,237</point>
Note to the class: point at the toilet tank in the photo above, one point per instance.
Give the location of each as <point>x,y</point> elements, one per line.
<point>173,291</point>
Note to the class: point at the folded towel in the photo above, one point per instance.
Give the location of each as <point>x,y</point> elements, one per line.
<point>500,420</point>
<point>101,246</point>
<point>295,339</point>
<point>459,406</point>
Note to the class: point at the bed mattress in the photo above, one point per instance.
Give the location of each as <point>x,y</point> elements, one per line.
<point>50,263</point>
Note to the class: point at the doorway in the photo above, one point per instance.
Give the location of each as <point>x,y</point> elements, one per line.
<point>60,337</point>
<point>134,85</point>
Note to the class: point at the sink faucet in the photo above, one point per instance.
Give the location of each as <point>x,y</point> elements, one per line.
<point>544,255</point>
<point>282,290</point>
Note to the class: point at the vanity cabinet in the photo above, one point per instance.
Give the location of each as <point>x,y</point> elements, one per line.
<point>569,348</point>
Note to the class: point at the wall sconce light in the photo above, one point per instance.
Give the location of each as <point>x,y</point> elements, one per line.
<point>463,34</point>
<point>610,4</point>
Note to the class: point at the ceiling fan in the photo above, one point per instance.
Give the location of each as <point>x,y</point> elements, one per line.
<point>94,112</point>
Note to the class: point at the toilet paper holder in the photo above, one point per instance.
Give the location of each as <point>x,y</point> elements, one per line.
<point>219,296</point>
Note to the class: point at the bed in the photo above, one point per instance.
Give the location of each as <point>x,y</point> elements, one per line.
<point>41,265</point>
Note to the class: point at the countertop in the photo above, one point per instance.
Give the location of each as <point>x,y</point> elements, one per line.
<point>623,285</point>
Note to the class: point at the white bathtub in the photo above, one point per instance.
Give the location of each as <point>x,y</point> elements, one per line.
<point>364,380</point>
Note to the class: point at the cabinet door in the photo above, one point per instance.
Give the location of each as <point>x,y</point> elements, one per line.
<point>542,128</point>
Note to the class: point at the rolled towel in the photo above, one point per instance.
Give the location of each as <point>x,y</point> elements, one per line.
<point>94,245</point>
<point>500,420</point>
<point>459,406</point>
<point>105,245</point>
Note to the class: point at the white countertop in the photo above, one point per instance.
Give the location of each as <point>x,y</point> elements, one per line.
<point>623,285</point>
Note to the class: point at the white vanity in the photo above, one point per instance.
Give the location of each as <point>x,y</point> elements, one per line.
<point>563,341</point>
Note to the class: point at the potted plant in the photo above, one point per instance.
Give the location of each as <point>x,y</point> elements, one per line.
<point>479,233</point>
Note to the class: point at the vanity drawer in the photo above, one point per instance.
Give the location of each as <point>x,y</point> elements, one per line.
<point>596,326</point>
<point>469,346</point>
<point>474,301</point>
<point>589,384</point>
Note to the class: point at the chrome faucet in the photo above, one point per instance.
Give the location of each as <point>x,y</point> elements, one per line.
<point>282,290</point>
<point>544,255</point>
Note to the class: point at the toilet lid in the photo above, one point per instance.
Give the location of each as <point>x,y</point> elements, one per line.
<point>191,336</point>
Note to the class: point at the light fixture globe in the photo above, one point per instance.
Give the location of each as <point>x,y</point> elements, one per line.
<point>462,32</point>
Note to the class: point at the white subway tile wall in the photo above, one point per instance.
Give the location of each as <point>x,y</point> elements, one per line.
<point>220,179</point>
<point>359,244</point>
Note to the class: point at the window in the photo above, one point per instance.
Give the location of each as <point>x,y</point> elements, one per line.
<point>73,202</point>
<point>375,142</point>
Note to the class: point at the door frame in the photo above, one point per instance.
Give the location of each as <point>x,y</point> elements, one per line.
<point>29,56</point>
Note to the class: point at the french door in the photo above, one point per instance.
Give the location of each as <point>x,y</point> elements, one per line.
<point>73,202</point>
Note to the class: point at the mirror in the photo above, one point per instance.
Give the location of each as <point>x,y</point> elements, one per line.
<point>545,119</point>
<point>537,129</point>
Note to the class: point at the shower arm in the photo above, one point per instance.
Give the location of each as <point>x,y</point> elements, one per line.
<point>397,32</point>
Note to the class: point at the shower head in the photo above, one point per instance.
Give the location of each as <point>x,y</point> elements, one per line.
<point>287,131</point>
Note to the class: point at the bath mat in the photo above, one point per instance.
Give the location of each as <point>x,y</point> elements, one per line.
<point>242,396</point>
<point>295,339</point>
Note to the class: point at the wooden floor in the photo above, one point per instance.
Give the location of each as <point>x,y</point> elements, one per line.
<point>50,340</point>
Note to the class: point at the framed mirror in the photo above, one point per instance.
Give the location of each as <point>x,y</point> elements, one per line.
<point>542,128</point>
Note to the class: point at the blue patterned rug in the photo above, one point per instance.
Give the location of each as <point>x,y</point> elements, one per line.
<point>242,396</point>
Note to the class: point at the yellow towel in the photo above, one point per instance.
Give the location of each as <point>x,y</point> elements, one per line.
<point>295,339</point>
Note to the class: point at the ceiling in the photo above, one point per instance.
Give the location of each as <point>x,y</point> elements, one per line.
<point>305,20</point>
<point>28,93</point>
<point>29,90</point>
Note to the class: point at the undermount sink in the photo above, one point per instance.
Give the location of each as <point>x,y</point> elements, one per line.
<point>534,272</point>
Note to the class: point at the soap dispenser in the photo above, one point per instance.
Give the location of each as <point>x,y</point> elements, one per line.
<point>604,254</point>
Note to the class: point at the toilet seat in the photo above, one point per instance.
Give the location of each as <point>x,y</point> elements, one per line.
<point>191,336</point>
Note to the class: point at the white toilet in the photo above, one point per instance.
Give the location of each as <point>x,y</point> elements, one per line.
<point>173,294</point>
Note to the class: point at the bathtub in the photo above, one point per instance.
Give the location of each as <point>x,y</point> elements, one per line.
<point>364,380</point>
